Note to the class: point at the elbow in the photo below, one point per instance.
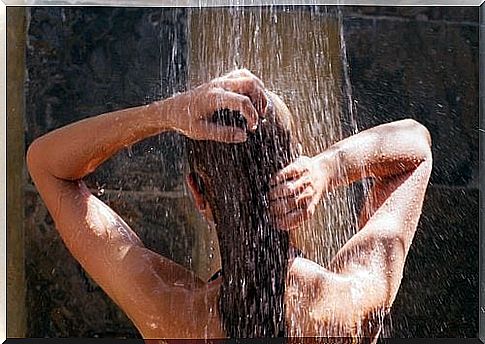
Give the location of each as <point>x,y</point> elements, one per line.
<point>34,157</point>
<point>31,157</point>
<point>418,131</point>
<point>420,135</point>
<point>422,132</point>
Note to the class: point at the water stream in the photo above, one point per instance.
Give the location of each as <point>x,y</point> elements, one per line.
<point>300,54</point>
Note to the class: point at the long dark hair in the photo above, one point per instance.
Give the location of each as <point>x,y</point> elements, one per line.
<point>254,253</point>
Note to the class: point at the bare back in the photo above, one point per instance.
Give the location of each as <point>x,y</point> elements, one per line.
<point>163,299</point>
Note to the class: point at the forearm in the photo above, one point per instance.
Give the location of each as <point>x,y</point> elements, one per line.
<point>73,151</point>
<point>381,152</point>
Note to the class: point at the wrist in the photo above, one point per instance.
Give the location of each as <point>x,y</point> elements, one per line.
<point>169,112</point>
<point>330,163</point>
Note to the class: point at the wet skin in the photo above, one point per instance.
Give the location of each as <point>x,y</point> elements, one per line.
<point>163,299</point>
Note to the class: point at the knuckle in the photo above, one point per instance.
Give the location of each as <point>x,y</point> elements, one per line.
<point>246,101</point>
<point>303,198</point>
<point>214,92</point>
<point>253,82</point>
<point>216,82</point>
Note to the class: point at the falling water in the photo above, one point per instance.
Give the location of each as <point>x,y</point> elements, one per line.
<point>87,66</point>
<point>300,54</point>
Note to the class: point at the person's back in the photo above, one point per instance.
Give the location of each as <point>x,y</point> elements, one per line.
<point>290,295</point>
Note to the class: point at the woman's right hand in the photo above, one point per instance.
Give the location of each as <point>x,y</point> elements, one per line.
<point>239,91</point>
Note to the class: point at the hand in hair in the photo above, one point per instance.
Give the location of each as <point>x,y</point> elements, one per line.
<point>239,91</point>
<point>295,192</point>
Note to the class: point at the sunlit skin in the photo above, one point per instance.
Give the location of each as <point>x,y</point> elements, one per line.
<point>163,299</point>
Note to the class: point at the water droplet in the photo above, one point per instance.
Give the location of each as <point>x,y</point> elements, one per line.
<point>129,150</point>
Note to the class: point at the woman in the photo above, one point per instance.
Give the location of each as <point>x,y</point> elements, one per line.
<point>266,288</point>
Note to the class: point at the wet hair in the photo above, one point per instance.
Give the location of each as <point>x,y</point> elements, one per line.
<point>254,254</point>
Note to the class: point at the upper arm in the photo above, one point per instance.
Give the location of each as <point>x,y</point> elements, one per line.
<point>388,221</point>
<point>92,231</point>
<point>140,281</point>
<point>362,280</point>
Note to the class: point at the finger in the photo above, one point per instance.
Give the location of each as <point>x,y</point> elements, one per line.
<point>314,203</point>
<point>292,221</point>
<point>289,205</point>
<point>243,72</point>
<point>306,194</point>
<point>281,191</point>
<point>311,208</point>
<point>261,103</point>
<point>250,87</point>
<point>240,80</point>
<point>283,206</point>
<point>303,201</point>
<point>289,172</point>
<point>302,183</point>
<point>289,188</point>
<point>220,133</point>
<point>221,99</point>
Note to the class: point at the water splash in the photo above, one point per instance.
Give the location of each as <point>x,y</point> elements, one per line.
<point>300,54</point>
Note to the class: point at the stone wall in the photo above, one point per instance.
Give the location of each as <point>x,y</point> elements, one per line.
<point>422,63</point>
<point>404,62</point>
<point>82,62</point>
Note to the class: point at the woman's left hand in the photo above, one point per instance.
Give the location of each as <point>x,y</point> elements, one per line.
<point>296,191</point>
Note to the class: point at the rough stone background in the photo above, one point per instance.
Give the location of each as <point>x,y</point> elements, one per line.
<point>82,62</point>
<point>404,62</point>
<point>423,63</point>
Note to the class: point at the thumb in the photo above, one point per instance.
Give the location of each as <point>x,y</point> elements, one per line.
<point>224,133</point>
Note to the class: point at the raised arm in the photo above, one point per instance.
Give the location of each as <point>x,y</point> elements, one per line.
<point>143,283</point>
<point>397,156</point>
<point>362,280</point>
<point>383,153</point>
<point>76,150</point>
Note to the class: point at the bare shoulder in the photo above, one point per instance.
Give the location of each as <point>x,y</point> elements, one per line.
<point>170,301</point>
<point>158,295</point>
<point>320,302</point>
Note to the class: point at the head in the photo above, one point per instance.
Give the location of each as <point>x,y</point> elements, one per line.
<point>230,184</point>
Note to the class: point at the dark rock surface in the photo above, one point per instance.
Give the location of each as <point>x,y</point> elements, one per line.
<point>82,62</point>
<point>422,63</point>
<point>439,291</point>
<point>424,70</point>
